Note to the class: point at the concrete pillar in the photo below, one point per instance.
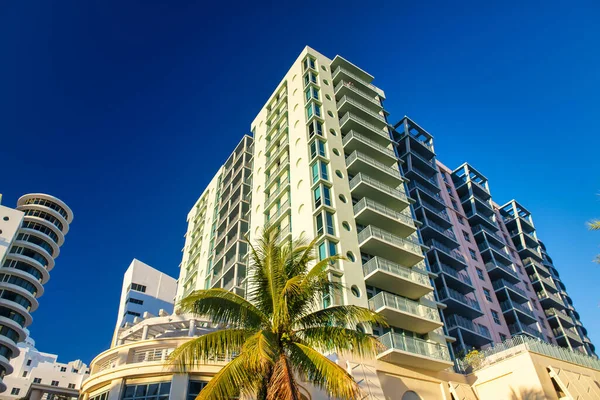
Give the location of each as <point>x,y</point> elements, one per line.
<point>179,386</point>
<point>116,387</point>
<point>36,394</point>
<point>145,332</point>
<point>192,329</point>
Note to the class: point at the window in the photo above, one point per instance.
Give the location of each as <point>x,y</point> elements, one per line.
<point>24,374</point>
<point>311,92</point>
<point>327,249</point>
<point>310,77</point>
<point>488,295</point>
<point>496,317</point>
<point>542,322</point>
<point>329,221</point>
<point>449,190</point>
<point>527,285</point>
<point>15,391</point>
<point>322,195</point>
<point>28,363</point>
<point>319,170</point>
<point>37,380</point>
<point>313,109</point>
<point>461,220</point>
<point>454,205</point>
<point>319,219</point>
<point>466,236</point>
<point>138,288</point>
<point>71,386</point>
<point>534,303</point>
<point>315,127</point>
<point>54,383</point>
<point>101,396</point>
<point>147,391</point>
<point>317,148</point>
<point>194,388</point>
<point>503,337</point>
<point>473,254</point>
<point>520,269</point>
<point>135,301</point>
<point>308,62</point>
<point>480,274</point>
<point>135,314</point>
<point>63,369</point>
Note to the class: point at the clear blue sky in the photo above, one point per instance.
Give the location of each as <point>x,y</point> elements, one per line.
<point>125,110</point>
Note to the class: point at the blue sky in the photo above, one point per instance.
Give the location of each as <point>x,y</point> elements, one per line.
<point>126,109</point>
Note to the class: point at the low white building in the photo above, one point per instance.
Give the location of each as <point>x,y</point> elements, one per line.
<point>36,373</point>
<point>145,291</point>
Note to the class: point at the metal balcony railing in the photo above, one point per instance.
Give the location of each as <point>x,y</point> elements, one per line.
<point>501,283</point>
<point>446,232</point>
<point>509,305</point>
<point>417,185</point>
<point>458,321</point>
<point>364,158</point>
<point>362,138</point>
<point>371,231</point>
<point>378,263</point>
<point>368,203</point>
<point>554,312</point>
<point>354,89</point>
<point>384,299</point>
<point>460,275</point>
<point>480,228</point>
<point>453,294</point>
<point>366,124</point>
<point>451,252</point>
<point>361,177</point>
<point>361,107</point>
<point>393,340</point>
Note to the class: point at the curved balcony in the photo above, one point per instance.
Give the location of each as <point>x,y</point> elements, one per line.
<point>377,242</point>
<point>358,162</point>
<point>472,333</point>
<point>368,211</point>
<point>362,185</point>
<point>355,141</point>
<point>457,280</point>
<point>458,303</point>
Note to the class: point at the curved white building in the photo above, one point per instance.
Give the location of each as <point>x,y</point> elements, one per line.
<point>32,249</point>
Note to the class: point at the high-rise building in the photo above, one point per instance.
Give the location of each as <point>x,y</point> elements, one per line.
<point>425,245</point>
<point>37,374</point>
<point>30,240</point>
<point>146,291</point>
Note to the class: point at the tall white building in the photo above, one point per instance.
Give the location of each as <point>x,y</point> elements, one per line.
<point>36,373</point>
<point>145,291</point>
<point>30,240</point>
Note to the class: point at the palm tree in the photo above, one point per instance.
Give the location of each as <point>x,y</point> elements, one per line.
<point>279,335</point>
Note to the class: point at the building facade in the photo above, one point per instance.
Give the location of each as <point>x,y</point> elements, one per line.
<point>30,239</point>
<point>145,291</point>
<point>35,371</point>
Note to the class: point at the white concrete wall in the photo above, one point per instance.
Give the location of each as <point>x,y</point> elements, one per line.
<point>10,221</point>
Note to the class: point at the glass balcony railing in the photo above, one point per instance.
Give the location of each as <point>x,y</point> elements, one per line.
<point>453,294</point>
<point>501,283</point>
<point>384,299</point>
<point>451,252</point>
<point>460,275</point>
<point>378,263</point>
<point>393,340</point>
<point>380,208</point>
<point>509,305</point>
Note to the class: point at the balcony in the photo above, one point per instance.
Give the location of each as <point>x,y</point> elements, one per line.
<point>359,162</point>
<point>513,292</point>
<point>276,193</point>
<point>532,266</point>
<point>477,218</point>
<point>421,161</point>
<point>457,280</point>
<point>404,313</point>
<point>453,256</point>
<point>525,314</point>
<point>494,252</point>
<point>368,211</point>
<point>473,333</point>
<point>429,194</point>
<point>274,175</point>
<point>347,88</point>
<point>540,282</point>
<point>519,329</point>
<point>347,104</point>
<point>458,303</point>
<point>276,217</point>
<point>277,153</point>
<point>562,334</point>
<point>409,351</point>
<point>395,278</point>
<point>429,181</point>
<point>464,185</point>
<point>549,300</point>
<point>355,141</point>
<point>275,136</point>
<point>363,185</point>
<point>340,74</point>
<point>351,122</point>
<point>553,314</point>
<point>483,232</point>
<point>498,271</point>
<point>443,235</point>
<point>377,242</point>
<point>525,251</point>
<point>440,215</point>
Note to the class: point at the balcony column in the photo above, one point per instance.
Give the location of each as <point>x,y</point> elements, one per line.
<point>145,332</point>
<point>192,328</point>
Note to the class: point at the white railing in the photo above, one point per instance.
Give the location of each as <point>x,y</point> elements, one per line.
<point>368,203</point>
<point>395,172</point>
<point>371,231</point>
<point>361,177</point>
<point>384,299</point>
<point>378,263</point>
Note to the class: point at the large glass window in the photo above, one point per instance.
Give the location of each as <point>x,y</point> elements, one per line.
<point>310,77</point>
<point>313,109</point>
<point>319,170</point>
<point>311,92</point>
<point>317,148</point>
<point>315,127</point>
<point>147,391</point>
<point>322,195</point>
<point>194,389</point>
<point>329,221</point>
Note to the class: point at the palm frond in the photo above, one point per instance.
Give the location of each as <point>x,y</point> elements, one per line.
<point>344,316</point>
<point>282,384</point>
<point>322,372</point>
<point>261,350</point>
<point>222,306</point>
<point>335,339</point>
<point>594,225</point>
<point>236,378</point>
<point>208,348</point>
